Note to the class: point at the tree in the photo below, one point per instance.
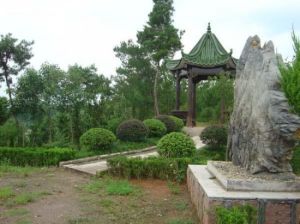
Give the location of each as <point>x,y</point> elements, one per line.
<point>14,57</point>
<point>4,110</point>
<point>160,39</point>
<point>290,77</point>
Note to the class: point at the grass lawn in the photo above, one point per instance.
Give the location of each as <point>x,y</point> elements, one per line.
<point>119,146</point>
<point>54,195</point>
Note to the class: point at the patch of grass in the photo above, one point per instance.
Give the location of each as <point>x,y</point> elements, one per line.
<point>79,221</point>
<point>119,187</point>
<point>6,193</point>
<point>181,206</point>
<point>6,168</point>
<point>106,203</point>
<point>94,186</point>
<point>180,221</point>
<point>174,187</point>
<point>23,222</point>
<point>21,184</point>
<point>210,153</point>
<point>16,212</point>
<point>296,161</point>
<point>24,198</point>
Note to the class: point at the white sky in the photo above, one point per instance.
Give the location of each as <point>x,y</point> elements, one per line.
<point>86,31</point>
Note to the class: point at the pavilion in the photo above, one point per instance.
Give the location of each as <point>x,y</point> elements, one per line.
<point>207,58</point>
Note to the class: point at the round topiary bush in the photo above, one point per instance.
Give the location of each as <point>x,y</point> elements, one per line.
<point>169,122</point>
<point>156,127</point>
<point>113,124</point>
<point>214,135</point>
<point>97,139</point>
<point>132,130</point>
<point>179,122</point>
<point>176,144</point>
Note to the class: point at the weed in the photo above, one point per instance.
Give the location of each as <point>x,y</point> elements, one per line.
<point>180,206</point>
<point>5,193</point>
<point>106,203</point>
<point>16,212</point>
<point>180,221</point>
<point>94,186</point>
<point>119,187</point>
<point>173,187</point>
<point>79,221</point>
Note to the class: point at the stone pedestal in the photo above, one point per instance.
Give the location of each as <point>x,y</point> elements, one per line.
<point>207,193</point>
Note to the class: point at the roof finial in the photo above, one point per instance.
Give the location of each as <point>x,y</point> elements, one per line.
<point>208,28</point>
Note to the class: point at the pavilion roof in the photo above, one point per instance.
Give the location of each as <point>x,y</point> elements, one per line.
<point>207,53</point>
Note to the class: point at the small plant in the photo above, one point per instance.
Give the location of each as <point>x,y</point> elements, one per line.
<point>156,127</point>
<point>214,136</point>
<point>173,187</point>
<point>179,122</point>
<point>119,187</point>
<point>132,130</point>
<point>5,193</point>
<point>168,121</point>
<point>97,139</point>
<point>236,215</point>
<point>176,144</point>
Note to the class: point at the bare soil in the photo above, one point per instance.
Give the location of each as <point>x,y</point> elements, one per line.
<point>63,199</point>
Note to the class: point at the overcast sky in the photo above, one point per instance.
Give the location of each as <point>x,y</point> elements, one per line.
<point>86,31</point>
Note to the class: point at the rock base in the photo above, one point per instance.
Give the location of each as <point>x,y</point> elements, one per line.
<point>207,193</point>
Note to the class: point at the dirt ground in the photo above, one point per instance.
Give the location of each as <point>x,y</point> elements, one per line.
<point>57,196</point>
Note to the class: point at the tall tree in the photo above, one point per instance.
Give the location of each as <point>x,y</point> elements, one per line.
<point>160,39</point>
<point>14,57</point>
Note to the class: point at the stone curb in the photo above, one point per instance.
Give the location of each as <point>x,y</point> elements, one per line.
<point>106,156</point>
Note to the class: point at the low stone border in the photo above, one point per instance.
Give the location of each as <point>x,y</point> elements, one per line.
<point>106,156</point>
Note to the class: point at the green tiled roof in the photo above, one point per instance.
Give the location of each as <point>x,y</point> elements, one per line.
<point>208,52</point>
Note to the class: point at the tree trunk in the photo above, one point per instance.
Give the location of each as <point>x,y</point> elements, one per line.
<point>156,108</point>
<point>10,98</point>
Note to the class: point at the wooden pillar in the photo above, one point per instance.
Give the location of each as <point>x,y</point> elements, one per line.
<point>194,103</point>
<point>177,106</point>
<point>189,122</point>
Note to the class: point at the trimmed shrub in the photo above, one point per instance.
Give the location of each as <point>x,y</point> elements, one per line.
<point>35,156</point>
<point>97,139</point>
<point>156,127</point>
<point>173,169</point>
<point>214,136</point>
<point>179,122</point>
<point>176,144</point>
<point>113,124</point>
<point>169,122</point>
<point>132,130</point>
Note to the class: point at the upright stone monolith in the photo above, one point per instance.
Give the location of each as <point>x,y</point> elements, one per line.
<point>261,133</point>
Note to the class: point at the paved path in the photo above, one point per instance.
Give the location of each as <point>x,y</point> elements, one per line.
<point>93,167</point>
<point>98,165</point>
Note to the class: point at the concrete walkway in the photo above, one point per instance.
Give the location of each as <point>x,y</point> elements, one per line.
<point>95,164</point>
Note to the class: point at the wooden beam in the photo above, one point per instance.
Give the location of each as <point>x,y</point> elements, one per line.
<point>189,122</point>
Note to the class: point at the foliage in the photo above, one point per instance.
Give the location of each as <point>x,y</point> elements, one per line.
<point>4,110</point>
<point>236,215</point>
<point>156,127</point>
<point>9,133</point>
<point>169,122</point>
<point>290,77</point>
<point>35,156</point>
<point>296,161</point>
<point>173,169</point>
<point>214,135</point>
<point>179,122</point>
<point>176,144</point>
<point>97,139</point>
<point>215,99</point>
<point>132,130</point>
<point>119,187</point>
<point>113,124</point>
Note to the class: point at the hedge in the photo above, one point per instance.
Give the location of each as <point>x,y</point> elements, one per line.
<point>173,169</point>
<point>35,156</point>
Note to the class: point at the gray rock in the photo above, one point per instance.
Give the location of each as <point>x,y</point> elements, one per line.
<point>261,128</point>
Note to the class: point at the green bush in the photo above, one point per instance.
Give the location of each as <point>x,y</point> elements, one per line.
<point>113,124</point>
<point>173,169</point>
<point>179,122</point>
<point>214,136</point>
<point>97,139</point>
<point>169,123</point>
<point>156,127</point>
<point>132,130</point>
<point>35,156</point>
<point>176,144</point>
<point>296,161</point>
<point>9,133</point>
<point>236,215</point>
